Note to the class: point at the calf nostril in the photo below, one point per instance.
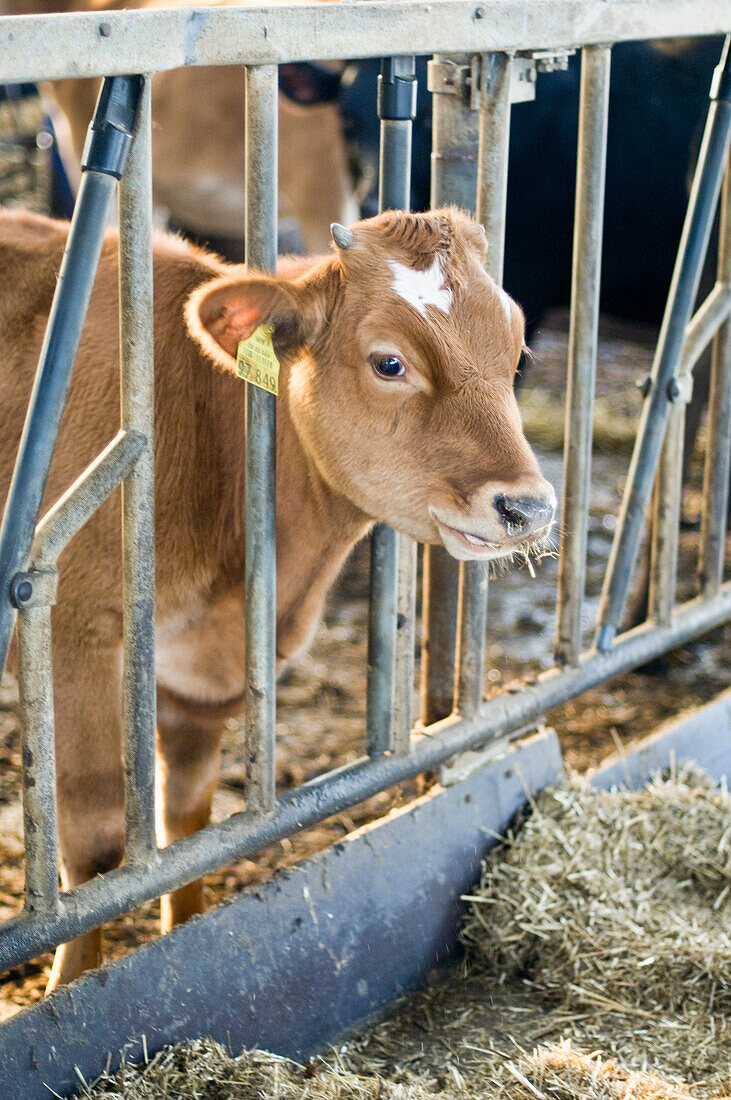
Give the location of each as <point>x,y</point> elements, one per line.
<point>511,514</point>
<point>523,516</point>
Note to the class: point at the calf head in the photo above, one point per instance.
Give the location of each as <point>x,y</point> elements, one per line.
<point>400,355</point>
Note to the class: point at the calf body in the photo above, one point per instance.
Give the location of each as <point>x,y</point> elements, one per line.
<point>396,404</point>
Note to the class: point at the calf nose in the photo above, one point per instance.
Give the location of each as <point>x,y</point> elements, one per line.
<point>522,517</point>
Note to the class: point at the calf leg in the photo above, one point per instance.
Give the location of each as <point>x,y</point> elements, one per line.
<point>188,742</point>
<point>90,782</point>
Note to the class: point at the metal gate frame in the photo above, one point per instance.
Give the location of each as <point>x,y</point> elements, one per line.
<point>115,43</point>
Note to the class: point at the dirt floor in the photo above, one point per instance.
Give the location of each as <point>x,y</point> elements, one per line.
<point>321,699</point>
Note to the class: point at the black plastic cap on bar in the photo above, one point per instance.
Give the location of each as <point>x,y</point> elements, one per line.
<point>721,85</point>
<point>397,89</point>
<point>110,133</point>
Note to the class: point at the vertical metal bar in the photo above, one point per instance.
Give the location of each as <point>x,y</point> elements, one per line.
<point>137,387</point>
<point>382,605</point>
<point>453,180</point>
<point>664,386</point>
<point>438,633</point>
<point>492,192</point>
<point>260,576</point>
<point>716,475</point>
<point>583,329</point>
<point>455,133</point>
<point>403,696</point>
<point>35,682</point>
<point>492,156</point>
<point>396,110</point>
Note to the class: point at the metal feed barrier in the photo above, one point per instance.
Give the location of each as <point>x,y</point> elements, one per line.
<point>484,47</point>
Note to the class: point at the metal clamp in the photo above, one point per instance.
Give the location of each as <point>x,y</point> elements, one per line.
<point>453,77</point>
<point>397,89</point>
<point>112,127</point>
<point>549,61</point>
<point>38,588</point>
<point>680,389</point>
<point>463,78</point>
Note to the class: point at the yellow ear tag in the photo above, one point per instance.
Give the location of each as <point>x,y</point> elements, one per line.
<point>256,361</point>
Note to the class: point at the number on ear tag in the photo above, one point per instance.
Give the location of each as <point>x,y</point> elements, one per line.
<point>256,361</point>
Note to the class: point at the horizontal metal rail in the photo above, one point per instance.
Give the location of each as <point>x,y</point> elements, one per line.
<point>238,837</point>
<point>120,42</point>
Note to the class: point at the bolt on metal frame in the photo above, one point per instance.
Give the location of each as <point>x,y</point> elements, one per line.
<point>474,130</point>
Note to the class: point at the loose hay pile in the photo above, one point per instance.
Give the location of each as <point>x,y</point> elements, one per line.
<point>602,923</point>
<point>621,902</point>
<point>617,900</point>
<point>202,1070</point>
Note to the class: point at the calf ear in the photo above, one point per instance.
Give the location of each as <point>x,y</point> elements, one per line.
<point>228,309</point>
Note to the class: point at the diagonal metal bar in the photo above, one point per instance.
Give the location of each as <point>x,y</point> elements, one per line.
<point>105,155</point>
<point>718,455</point>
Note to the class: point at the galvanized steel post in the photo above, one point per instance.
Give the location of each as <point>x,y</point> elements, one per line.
<point>137,385</point>
<point>453,180</point>
<point>260,577</point>
<point>492,192</point>
<point>585,281</point>
<point>396,110</point>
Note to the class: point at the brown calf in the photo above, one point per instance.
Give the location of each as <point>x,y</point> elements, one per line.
<point>396,404</point>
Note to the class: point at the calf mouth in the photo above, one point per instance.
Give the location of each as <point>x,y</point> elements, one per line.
<point>467,546</point>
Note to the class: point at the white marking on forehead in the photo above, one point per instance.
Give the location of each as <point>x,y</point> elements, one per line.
<point>421,288</point>
<point>505,303</point>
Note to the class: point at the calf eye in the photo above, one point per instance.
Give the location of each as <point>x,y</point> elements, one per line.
<point>388,366</point>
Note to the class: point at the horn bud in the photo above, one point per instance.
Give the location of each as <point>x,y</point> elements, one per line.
<point>341,235</point>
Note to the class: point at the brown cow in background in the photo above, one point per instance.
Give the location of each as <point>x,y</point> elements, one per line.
<point>198,146</point>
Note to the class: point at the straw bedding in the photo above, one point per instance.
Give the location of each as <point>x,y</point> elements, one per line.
<point>599,930</point>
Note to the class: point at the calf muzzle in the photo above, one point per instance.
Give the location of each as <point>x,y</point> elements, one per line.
<point>522,517</point>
